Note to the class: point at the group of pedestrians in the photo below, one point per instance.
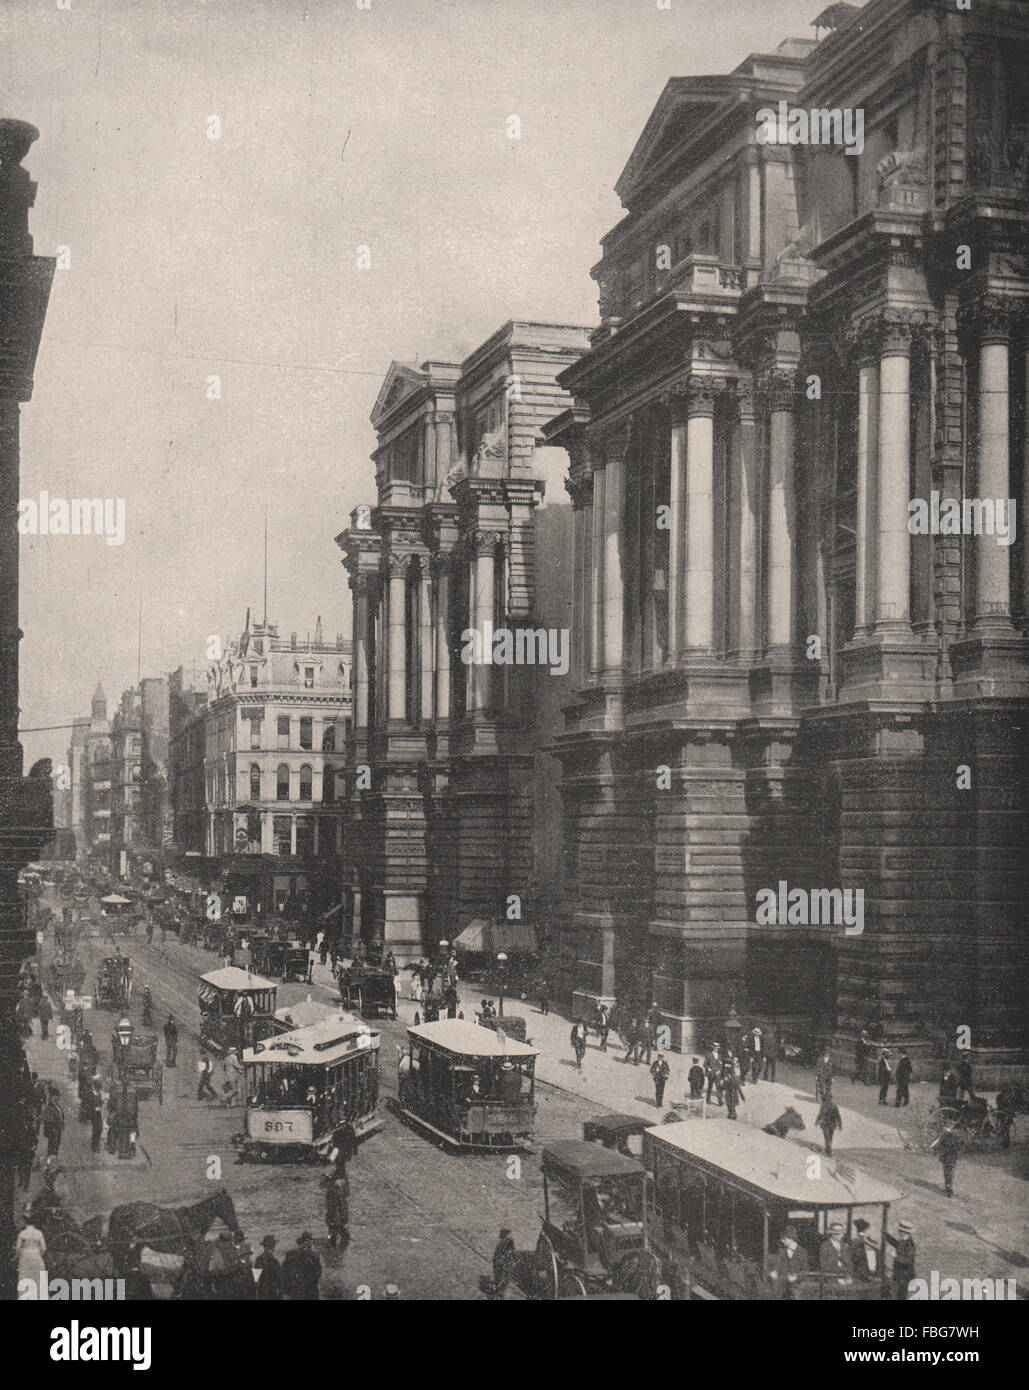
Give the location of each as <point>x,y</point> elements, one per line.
<point>857,1260</point>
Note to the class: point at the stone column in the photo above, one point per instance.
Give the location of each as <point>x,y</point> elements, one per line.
<point>442,637</point>
<point>615,447</point>
<point>992,560</point>
<point>597,557</point>
<point>749,464</point>
<point>481,606</point>
<point>867,510</point>
<point>359,585</point>
<point>894,542</point>
<point>425,642</point>
<point>397,653</point>
<point>579,486</point>
<point>780,387</point>
<point>700,528</point>
<point>677,534</point>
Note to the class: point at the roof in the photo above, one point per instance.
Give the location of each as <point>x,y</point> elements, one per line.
<point>616,1123</point>
<point>469,1040</point>
<point>231,977</point>
<point>310,1011</point>
<point>773,1166</point>
<point>316,1044</point>
<point>589,1160</point>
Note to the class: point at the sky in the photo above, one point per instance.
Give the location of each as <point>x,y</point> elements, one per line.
<point>237,257</point>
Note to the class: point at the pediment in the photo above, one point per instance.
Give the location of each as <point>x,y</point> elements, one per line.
<point>402,380</point>
<point>683,106</point>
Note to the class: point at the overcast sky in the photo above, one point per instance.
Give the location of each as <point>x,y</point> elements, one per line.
<point>237,257</point>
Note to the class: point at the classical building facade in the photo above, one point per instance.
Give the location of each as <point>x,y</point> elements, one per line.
<point>779,681</point>
<point>452,794</point>
<point>259,767</point>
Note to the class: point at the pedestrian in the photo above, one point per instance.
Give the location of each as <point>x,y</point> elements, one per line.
<point>602,1024</point>
<point>731,1087</point>
<point>631,1038</point>
<point>645,1041</point>
<point>301,1270</point>
<point>965,1079</point>
<point>31,1251</point>
<point>948,1150</point>
<point>866,1256</point>
<point>788,1264</point>
<point>96,1113</point>
<point>903,1075</point>
<point>862,1048</point>
<point>695,1077</point>
<point>756,1054</point>
<point>45,1012</point>
<point>240,1285</point>
<point>204,1072</point>
<point>713,1072</point>
<point>834,1257</point>
<point>269,1283</point>
<point>53,1123</point>
<point>337,1206</point>
<point>949,1087</point>
<point>171,1042</point>
<point>771,1051</point>
<point>578,1041</point>
<point>884,1072</point>
<point>903,1272</point>
<point>829,1120</point>
<point>823,1076</point>
<point>88,1055</point>
<point>544,991</point>
<point>232,1078</point>
<point>660,1071</point>
<point>23,1014</point>
<point>504,1254</point>
<point>320,947</point>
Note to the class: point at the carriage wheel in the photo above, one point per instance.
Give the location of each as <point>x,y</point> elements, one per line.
<point>638,1273</point>
<point>548,1279</point>
<point>943,1117</point>
<point>571,1285</point>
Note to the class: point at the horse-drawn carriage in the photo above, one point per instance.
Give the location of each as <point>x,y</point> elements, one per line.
<point>66,973</point>
<point>114,983</point>
<point>512,1025</point>
<point>369,989</point>
<point>976,1123</point>
<point>594,1238</point>
<point>283,960</point>
<point>136,1062</point>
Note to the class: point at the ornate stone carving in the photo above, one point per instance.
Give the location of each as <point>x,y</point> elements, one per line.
<point>699,393</point>
<point>987,319</point>
<point>779,389</point>
<point>484,543</point>
<point>745,399</point>
<point>579,486</point>
<point>396,563</point>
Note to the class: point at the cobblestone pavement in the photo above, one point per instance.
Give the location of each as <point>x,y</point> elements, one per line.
<point>426,1218</point>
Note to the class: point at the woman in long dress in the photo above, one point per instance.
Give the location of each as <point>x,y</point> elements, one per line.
<point>31,1250</point>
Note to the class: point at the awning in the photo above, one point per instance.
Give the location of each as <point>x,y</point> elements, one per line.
<point>475,937</point>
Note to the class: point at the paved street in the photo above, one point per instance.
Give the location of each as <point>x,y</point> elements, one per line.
<point>426,1218</point>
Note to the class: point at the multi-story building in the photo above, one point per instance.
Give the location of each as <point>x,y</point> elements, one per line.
<point>155,732</point>
<point>187,697</point>
<point>452,797</point>
<point>266,754</point>
<point>783,676</point>
<point>126,767</point>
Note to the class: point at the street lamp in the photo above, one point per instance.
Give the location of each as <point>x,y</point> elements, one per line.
<point>501,962</point>
<point>123,1035</point>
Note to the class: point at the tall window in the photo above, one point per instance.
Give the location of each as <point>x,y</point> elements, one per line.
<point>329,739</point>
<point>282,834</point>
<point>308,677</point>
<point>282,783</point>
<point>306,782</point>
<point>255,782</point>
<point>307,733</point>
<point>282,726</point>
<point>253,677</point>
<point>255,733</point>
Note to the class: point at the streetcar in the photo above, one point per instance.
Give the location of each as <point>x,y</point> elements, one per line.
<point>471,1087</point>
<point>236,1008</point>
<point>724,1194</point>
<point>302,1087</point>
<point>594,1237</point>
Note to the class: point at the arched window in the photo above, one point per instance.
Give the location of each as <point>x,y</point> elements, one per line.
<point>329,784</point>
<point>255,782</point>
<point>282,782</point>
<point>306,782</point>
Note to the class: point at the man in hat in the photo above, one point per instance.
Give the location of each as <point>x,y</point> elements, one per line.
<point>948,1150</point>
<point>884,1073</point>
<point>787,1264</point>
<point>903,1093</point>
<point>578,1041</point>
<point>731,1087</point>
<point>829,1120</point>
<point>903,1260</point>
<point>337,1206</point>
<point>861,1051</point>
<point>660,1071</point>
<point>823,1077</point>
<point>301,1271</point>
<point>865,1253</point>
<point>713,1071</point>
<point>503,1263</point>
<point>695,1077</point>
<point>757,1044</point>
<point>269,1284</point>
<point>834,1257</point>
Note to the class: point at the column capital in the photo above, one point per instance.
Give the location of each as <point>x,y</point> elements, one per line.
<point>484,543</point>
<point>779,389</point>
<point>745,394</point>
<point>579,486</point>
<point>698,393</point>
<point>613,441</point>
<point>988,319</point>
<point>360,584</point>
<point>396,564</point>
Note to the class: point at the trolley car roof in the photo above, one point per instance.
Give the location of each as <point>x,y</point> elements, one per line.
<point>316,1045</point>
<point>230,977</point>
<point>310,1011</point>
<point>469,1039</point>
<point>580,1159</point>
<point>772,1166</point>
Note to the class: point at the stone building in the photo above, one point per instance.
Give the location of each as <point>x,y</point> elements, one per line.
<point>778,680</point>
<point>187,697</point>
<point>265,753</point>
<point>452,795</point>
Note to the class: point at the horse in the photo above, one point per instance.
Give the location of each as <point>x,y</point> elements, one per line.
<point>169,1228</point>
<point>789,1119</point>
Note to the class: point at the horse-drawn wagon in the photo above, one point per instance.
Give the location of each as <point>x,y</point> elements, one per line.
<point>136,1062</point>
<point>114,984</point>
<point>368,989</point>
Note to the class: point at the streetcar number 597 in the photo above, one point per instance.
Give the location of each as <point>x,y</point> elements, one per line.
<point>277,1126</point>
